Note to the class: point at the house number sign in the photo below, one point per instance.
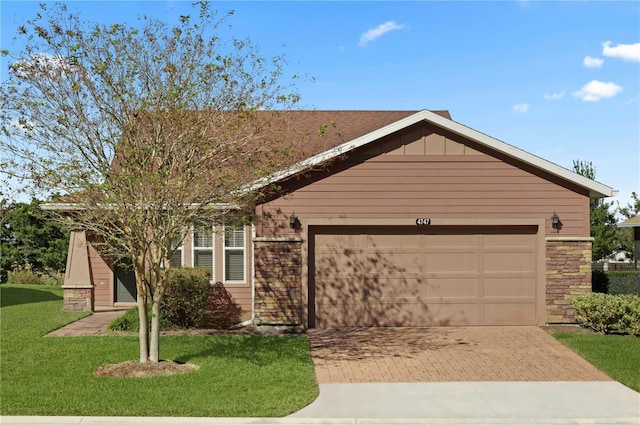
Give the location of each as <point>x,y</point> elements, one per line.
<point>423,221</point>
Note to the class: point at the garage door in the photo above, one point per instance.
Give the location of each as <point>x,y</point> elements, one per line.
<point>422,276</point>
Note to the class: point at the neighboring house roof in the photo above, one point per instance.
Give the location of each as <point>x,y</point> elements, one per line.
<point>632,222</point>
<point>393,121</point>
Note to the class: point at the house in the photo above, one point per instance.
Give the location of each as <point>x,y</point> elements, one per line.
<point>417,220</point>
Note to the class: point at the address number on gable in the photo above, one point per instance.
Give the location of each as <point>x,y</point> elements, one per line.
<point>423,221</point>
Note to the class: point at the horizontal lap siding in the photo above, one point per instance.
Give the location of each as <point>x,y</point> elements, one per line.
<point>242,295</point>
<point>399,185</point>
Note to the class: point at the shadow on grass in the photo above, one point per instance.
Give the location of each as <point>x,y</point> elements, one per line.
<point>259,350</point>
<point>13,295</point>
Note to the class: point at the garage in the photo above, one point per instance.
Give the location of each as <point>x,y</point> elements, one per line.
<point>423,275</point>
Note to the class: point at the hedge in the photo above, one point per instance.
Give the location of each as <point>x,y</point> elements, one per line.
<point>609,313</point>
<point>623,282</point>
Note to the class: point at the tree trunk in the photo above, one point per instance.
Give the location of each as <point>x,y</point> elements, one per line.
<point>143,334</point>
<point>143,312</point>
<point>154,348</point>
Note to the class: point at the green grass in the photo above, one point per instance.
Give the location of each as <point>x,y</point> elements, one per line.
<point>237,376</point>
<point>616,355</point>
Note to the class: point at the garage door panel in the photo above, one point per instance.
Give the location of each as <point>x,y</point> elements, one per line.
<point>451,262</point>
<point>509,314</point>
<point>510,287</point>
<point>431,276</point>
<point>394,263</point>
<point>459,314</point>
<point>509,262</point>
<point>375,314</point>
<point>393,241</point>
<point>512,240</point>
<point>446,288</point>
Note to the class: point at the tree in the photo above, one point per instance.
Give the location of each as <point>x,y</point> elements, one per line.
<point>603,222</point>
<point>30,237</point>
<point>144,130</point>
<point>626,234</point>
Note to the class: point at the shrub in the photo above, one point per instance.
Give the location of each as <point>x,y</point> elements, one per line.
<point>129,321</point>
<point>24,277</point>
<point>609,313</point>
<point>222,310</point>
<point>623,282</point>
<point>185,301</point>
<point>190,302</point>
<point>599,282</point>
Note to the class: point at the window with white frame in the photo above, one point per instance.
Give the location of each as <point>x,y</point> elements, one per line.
<point>234,254</point>
<point>176,257</point>
<point>203,239</point>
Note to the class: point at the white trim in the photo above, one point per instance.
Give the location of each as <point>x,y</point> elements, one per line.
<point>596,189</point>
<point>253,274</point>
<point>244,257</point>
<point>202,248</point>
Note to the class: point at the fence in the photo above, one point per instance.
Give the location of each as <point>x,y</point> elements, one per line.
<point>613,267</point>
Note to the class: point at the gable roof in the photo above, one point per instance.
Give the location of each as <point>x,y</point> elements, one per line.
<point>632,222</point>
<point>393,121</point>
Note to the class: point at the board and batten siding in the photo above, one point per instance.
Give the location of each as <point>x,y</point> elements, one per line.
<point>426,172</point>
<point>102,278</point>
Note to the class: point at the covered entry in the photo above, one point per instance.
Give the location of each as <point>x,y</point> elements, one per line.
<point>125,287</point>
<point>423,276</point>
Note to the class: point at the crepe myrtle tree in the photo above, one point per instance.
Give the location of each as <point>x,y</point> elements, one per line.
<point>145,130</point>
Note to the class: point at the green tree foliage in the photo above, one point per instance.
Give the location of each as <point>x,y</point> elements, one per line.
<point>31,237</point>
<point>144,129</point>
<point>625,234</point>
<point>603,221</point>
<point>608,238</point>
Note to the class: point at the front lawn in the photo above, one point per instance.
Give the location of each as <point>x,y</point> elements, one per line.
<point>616,355</point>
<point>244,375</point>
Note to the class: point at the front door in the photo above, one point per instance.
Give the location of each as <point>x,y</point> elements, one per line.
<point>125,283</point>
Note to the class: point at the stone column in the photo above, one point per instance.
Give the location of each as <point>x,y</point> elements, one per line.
<point>568,275</point>
<point>77,288</point>
<point>278,281</point>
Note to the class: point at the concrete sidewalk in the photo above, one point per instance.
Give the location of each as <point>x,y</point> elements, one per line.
<point>438,403</point>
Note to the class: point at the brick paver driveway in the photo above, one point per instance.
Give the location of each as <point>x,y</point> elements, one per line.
<point>445,354</point>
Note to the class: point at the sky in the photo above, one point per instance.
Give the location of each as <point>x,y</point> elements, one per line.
<point>560,80</point>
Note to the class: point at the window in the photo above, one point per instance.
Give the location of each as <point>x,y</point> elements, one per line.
<point>203,238</point>
<point>176,257</point>
<point>234,264</point>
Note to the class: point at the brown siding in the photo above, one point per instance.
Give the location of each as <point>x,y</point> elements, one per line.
<point>242,295</point>
<point>421,173</point>
<point>102,278</point>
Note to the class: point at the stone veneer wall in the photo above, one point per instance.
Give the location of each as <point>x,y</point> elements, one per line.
<point>278,281</point>
<point>568,275</point>
<point>77,299</point>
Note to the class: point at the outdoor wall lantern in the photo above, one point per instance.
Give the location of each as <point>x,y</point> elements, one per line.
<point>555,222</point>
<point>293,220</point>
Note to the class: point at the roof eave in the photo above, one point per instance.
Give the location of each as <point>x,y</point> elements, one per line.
<point>595,189</point>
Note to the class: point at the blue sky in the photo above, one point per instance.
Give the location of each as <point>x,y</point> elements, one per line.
<point>560,80</point>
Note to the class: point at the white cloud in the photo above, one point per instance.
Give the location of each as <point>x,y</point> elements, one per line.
<point>630,52</point>
<point>378,31</point>
<point>521,108</point>
<point>595,90</point>
<point>590,62</point>
<point>554,96</point>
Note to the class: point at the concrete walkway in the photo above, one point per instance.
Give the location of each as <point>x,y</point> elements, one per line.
<point>94,324</point>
